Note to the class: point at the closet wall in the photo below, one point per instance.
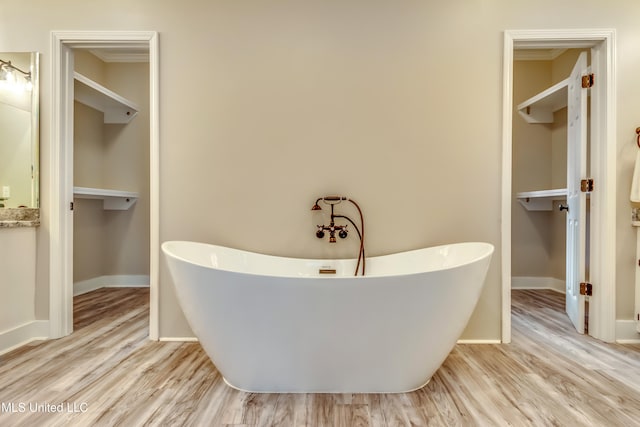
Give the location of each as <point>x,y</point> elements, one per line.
<point>111,247</point>
<point>539,162</point>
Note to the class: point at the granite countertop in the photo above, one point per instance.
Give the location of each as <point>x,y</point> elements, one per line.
<point>19,217</point>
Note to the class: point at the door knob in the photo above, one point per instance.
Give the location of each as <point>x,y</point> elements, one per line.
<point>564,208</point>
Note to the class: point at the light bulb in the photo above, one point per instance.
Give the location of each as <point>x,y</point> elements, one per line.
<point>10,76</point>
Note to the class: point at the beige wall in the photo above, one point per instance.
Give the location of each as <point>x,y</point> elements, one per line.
<point>89,230</point>
<point>114,156</point>
<point>397,104</point>
<point>532,156</point>
<point>126,160</point>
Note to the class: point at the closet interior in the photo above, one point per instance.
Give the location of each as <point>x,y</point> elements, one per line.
<point>110,171</point>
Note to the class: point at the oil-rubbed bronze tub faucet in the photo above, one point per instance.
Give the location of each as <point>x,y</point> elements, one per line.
<point>342,231</point>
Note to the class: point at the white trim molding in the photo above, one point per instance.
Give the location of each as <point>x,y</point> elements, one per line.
<point>178,339</point>
<point>627,332</point>
<point>61,190</point>
<point>602,43</point>
<point>507,149</point>
<point>551,283</point>
<point>23,334</point>
<point>113,281</point>
<point>61,167</point>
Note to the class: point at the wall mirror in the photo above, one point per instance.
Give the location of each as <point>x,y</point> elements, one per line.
<point>19,130</point>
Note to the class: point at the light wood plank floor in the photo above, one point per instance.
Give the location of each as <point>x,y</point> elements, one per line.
<point>108,373</point>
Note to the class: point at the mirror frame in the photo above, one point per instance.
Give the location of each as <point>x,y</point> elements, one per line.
<point>35,130</point>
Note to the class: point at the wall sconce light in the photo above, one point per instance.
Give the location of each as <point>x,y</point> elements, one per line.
<point>8,75</point>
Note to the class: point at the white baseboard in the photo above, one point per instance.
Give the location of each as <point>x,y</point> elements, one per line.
<point>627,332</point>
<point>182,339</point>
<point>194,339</point>
<point>113,281</point>
<point>523,282</point>
<point>23,334</point>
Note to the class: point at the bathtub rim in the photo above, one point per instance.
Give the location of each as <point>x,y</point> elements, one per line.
<point>488,250</point>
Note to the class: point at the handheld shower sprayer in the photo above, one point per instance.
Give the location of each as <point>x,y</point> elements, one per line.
<point>342,231</point>
<point>329,200</point>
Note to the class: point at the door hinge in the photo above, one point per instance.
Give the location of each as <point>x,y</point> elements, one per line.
<point>587,81</point>
<point>586,289</point>
<point>71,206</point>
<point>586,185</point>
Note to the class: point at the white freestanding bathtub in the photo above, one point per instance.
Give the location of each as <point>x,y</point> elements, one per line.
<point>275,324</point>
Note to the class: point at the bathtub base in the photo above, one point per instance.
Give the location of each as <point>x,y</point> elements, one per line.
<point>327,392</point>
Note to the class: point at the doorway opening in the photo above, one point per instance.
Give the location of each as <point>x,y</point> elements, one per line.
<point>600,44</point>
<point>64,190</point>
<point>110,171</point>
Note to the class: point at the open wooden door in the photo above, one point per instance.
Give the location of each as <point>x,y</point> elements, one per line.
<point>576,198</point>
